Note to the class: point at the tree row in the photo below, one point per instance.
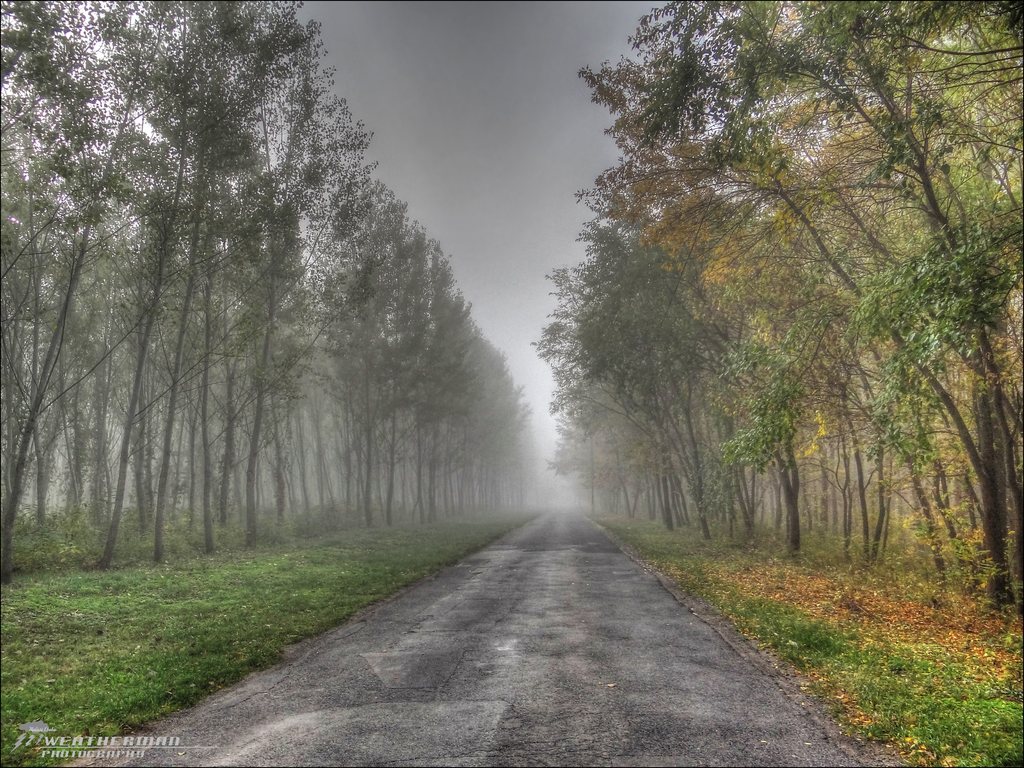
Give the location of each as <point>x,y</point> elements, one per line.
<point>211,313</point>
<point>803,293</point>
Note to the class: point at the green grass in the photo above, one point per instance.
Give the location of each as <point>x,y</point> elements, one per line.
<point>94,653</point>
<point>884,678</point>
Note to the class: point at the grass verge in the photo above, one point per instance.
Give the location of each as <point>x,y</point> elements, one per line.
<point>94,653</point>
<point>939,680</point>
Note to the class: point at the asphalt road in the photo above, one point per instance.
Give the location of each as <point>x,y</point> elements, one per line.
<point>550,647</point>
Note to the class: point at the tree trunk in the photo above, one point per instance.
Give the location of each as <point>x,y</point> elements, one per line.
<point>204,416</point>
<point>133,402</point>
<point>254,438</point>
<point>300,446</point>
<point>882,507</point>
<point>862,497</point>
<point>192,424</point>
<point>44,460</point>
<point>172,402</point>
<point>389,498</point>
<point>279,463</point>
<point>931,529</point>
<point>790,475</point>
<point>142,490</point>
<point>993,502</point>
<point>36,405</point>
<point>76,449</point>
<point>101,472</point>
<point>368,475</point>
<point>321,471</point>
<point>228,459</point>
<point>419,476</point>
<point>666,508</point>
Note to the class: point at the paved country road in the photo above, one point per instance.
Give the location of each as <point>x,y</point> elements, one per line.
<point>550,647</point>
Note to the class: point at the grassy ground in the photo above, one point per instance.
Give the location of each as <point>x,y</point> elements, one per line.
<point>936,676</point>
<point>95,653</point>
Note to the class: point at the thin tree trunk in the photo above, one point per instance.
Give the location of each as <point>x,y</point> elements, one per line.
<point>790,476</point>
<point>880,521</point>
<point>368,476</point>
<point>254,438</point>
<point>300,445</point>
<point>133,402</point>
<point>228,459</point>
<point>204,416</point>
<point>141,491</point>
<point>847,500</point>
<point>931,529</point>
<point>43,463</point>
<point>666,508</point>
<point>320,468</point>
<point>389,498</point>
<point>419,476</point>
<point>863,499</point>
<point>101,472</point>
<point>192,424</point>
<point>279,469</point>
<point>172,402</point>
<point>35,408</point>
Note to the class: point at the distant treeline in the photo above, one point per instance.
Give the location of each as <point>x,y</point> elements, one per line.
<point>210,309</point>
<point>802,302</point>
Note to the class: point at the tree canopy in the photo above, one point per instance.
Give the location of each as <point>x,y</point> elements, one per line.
<point>818,227</point>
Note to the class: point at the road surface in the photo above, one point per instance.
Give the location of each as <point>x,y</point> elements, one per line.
<point>550,647</point>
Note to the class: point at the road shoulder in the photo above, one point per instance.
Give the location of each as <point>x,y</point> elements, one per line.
<point>790,682</point>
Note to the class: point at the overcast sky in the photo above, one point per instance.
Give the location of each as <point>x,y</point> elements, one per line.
<point>481,124</point>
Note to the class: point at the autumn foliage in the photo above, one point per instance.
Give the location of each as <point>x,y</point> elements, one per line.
<point>801,309</point>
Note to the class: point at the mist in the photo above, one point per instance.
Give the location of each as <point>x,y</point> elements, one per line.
<point>230,318</point>
<point>482,125</point>
<point>360,363</point>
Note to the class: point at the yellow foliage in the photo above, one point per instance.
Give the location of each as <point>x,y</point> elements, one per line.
<point>815,441</point>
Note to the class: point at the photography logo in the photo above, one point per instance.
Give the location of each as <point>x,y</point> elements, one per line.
<point>39,737</point>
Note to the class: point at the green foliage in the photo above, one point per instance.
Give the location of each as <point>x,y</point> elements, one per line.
<point>188,232</point>
<point>70,540</point>
<point>834,194</point>
<point>938,300</point>
<point>773,411</point>
<point>411,359</point>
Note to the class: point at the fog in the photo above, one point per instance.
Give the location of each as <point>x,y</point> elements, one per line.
<point>481,124</point>
<point>288,292</point>
<point>272,267</point>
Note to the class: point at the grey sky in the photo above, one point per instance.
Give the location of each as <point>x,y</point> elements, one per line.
<point>482,126</point>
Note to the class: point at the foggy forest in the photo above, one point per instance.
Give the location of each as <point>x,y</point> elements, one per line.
<point>804,303</point>
<point>211,313</point>
<point>246,396</point>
